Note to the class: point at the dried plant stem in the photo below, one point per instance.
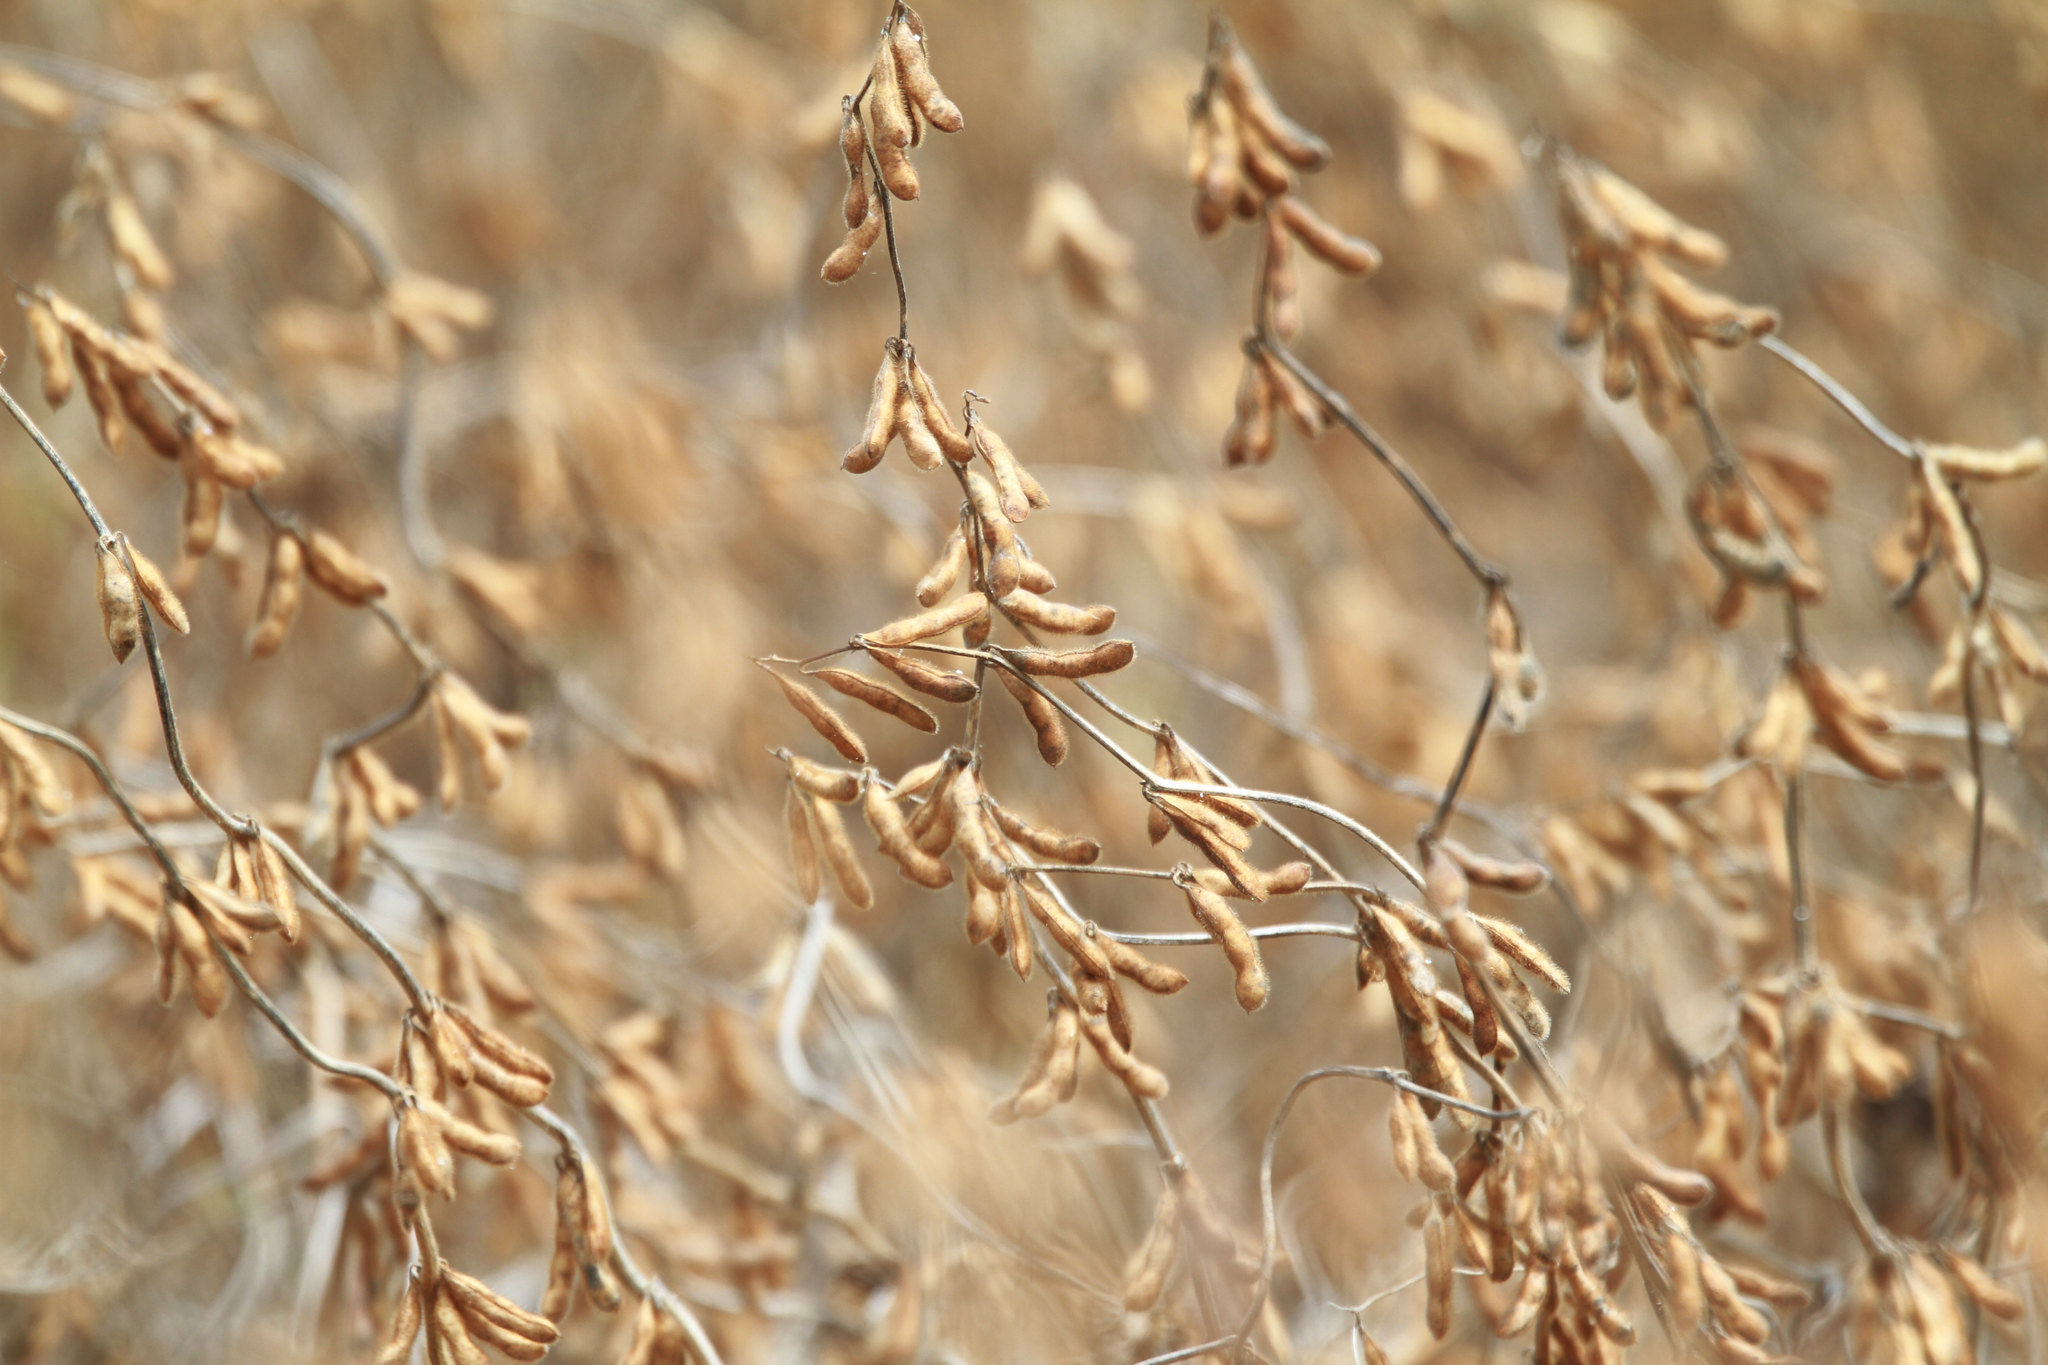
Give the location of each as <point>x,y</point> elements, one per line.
<point>1487,573</point>
<point>1848,402</point>
<point>1463,768</point>
<point>1803,951</point>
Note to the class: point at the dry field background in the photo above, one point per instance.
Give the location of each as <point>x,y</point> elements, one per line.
<point>597,474</point>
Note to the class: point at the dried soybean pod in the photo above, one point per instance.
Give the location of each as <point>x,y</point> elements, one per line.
<point>846,259</point>
<point>840,855</point>
<point>120,607</point>
<point>1003,466</point>
<point>945,571</point>
<point>1251,437</point>
<point>1353,255</point>
<point>853,145</point>
<point>279,603</point>
<point>99,393</point>
<point>1043,715</point>
<point>1688,1295</point>
<point>823,718</point>
<point>881,424</point>
<point>1531,1304</point>
<point>848,683</point>
<point>833,784</point>
<point>150,580</point>
<point>1957,462</point>
<point>913,64</point>
<point>1252,99</point>
<point>1520,877</point>
<point>957,447</point>
<point>51,354</point>
<point>1959,541</point>
<point>1156,977</point>
<point>1436,1242</point>
<point>942,683</point>
<point>1986,1292</point>
<point>1066,931</point>
<point>199,515</point>
<point>1407,1129</point>
<point>1214,914</point>
<point>405,1326</point>
<point>1016,932</point>
<point>1062,618</point>
<point>1106,657</point>
<point>1139,1078</point>
<point>803,850</point>
<point>341,571</point>
<point>1157,826</point>
<point>971,831</point>
<point>984,911</point>
<point>937,621</point>
<point>1048,843</point>
<point>274,885</point>
<point>892,837</point>
<point>448,1337</point>
<point>920,442</point>
<point>423,1159</point>
<point>890,119</point>
<point>561,1283</point>
<point>1001,561</point>
<point>1035,577</point>
<point>1145,1278</point>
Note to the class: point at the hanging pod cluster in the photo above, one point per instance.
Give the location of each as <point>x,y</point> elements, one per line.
<point>876,137</point>
<point>1626,289</point>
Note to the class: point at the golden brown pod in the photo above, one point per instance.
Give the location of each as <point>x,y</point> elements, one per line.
<point>881,424</point>
<point>803,850</point>
<point>1085,948</point>
<point>279,602</point>
<point>913,64</point>
<point>970,830</point>
<point>920,443</point>
<point>1249,95</point>
<point>1353,255</point>
<point>961,611</point>
<point>959,449</point>
<point>1047,843</point>
<point>833,784</point>
<point>1214,914</point>
<point>1012,499</point>
<point>889,702</point>
<point>120,605</point>
<point>942,683</point>
<point>890,121</point>
<point>92,376</point>
<point>826,721</point>
<point>892,837</point>
<point>846,259</point>
<point>840,855</point>
<point>853,146</point>
<point>1140,1078</point>
<point>1106,657</point>
<point>945,571</point>
<point>1145,1278</point>
<point>1062,618</point>
<point>1156,977</point>
<point>341,571</point>
<point>1969,462</point>
<point>1001,562</point>
<point>1044,717</point>
<point>52,355</point>
<point>984,911</point>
